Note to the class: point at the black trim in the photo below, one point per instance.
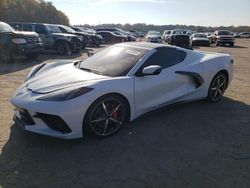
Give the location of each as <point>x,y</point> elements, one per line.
<point>197,77</point>
<point>54,122</point>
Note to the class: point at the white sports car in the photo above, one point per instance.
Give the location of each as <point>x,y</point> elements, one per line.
<point>116,85</point>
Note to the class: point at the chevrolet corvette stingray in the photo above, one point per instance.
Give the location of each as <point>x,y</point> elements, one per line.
<point>115,86</point>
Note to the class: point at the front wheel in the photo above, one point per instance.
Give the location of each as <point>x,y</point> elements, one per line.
<point>106,115</point>
<point>6,56</point>
<point>217,87</point>
<point>62,48</point>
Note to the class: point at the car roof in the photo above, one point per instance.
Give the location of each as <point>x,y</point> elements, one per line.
<point>145,45</point>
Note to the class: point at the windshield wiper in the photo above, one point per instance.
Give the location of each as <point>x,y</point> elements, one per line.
<point>90,70</point>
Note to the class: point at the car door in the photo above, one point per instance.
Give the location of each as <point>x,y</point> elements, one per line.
<point>44,35</point>
<point>152,91</point>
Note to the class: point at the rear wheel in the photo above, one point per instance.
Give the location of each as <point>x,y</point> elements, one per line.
<point>106,115</point>
<point>232,44</point>
<point>62,48</point>
<point>217,87</point>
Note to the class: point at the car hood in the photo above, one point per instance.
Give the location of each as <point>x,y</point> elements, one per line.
<point>64,34</point>
<point>154,36</point>
<point>226,36</point>
<point>25,34</point>
<point>61,75</point>
<point>199,38</point>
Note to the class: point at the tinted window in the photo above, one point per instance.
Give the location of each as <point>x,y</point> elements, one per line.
<point>224,33</point>
<point>27,27</point>
<point>113,61</point>
<point>165,57</point>
<point>40,29</point>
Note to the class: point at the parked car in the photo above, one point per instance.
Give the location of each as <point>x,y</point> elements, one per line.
<point>166,34</point>
<point>154,36</point>
<point>52,37</point>
<point>179,37</point>
<point>84,38</point>
<point>15,43</point>
<point>199,39</point>
<point>129,36</point>
<point>242,35</point>
<point>115,86</point>
<point>222,37</point>
<point>94,39</point>
<point>189,33</point>
<point>136,33</point>
<point>111,38</point>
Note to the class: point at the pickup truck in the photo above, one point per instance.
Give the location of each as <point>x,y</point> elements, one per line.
<point>222,37</point>
<point>14,43</point>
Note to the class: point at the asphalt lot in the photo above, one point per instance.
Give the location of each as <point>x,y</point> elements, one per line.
<point>196,144</point>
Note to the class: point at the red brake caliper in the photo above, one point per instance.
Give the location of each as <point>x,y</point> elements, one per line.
<point>115,114</point>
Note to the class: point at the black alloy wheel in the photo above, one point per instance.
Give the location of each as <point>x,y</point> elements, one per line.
<point>217,87</point>
<point>106,115</point>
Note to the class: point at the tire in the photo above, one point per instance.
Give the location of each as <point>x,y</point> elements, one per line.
<point>76,51</point>
<point>232,44</point>
<point>62,48</point>
<point>33,55</point>
<point>217,87</point>
<point>106,115</point>
<point>6,56</point>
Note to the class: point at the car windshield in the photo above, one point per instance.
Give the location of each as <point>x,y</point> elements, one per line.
<point>200,35</point>
<point>53,29</point>
<point>68,29</point>
<point>224,33</point>
<point>154,33</point>
<point>179,32</point>
<point>5,28</point>
<point>113,61</point>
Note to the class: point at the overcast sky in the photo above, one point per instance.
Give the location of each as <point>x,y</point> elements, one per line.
<point>158,12</point>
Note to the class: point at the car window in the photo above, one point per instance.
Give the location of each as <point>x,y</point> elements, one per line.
<point>40,29</point>
<point>165,57</point>
<point>27,27</point>
<point>114,61</point>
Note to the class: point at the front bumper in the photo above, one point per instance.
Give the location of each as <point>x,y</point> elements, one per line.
<point>70,112</point>
<point>26,49</point>
<point>200,43</point>
<point>225,40</point>
<point>154,40</point>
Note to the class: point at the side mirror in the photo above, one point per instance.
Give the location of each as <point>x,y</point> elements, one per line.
<point>150,70</point>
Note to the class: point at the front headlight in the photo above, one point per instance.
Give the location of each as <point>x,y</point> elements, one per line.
<point>39,39</point>
<point>19,41</point>
<point>63,95</point>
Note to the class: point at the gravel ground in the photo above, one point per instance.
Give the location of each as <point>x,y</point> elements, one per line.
<point>190,145</point>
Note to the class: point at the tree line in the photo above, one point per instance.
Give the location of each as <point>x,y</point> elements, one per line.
<point>147,27</point>
<point>31,11</point>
